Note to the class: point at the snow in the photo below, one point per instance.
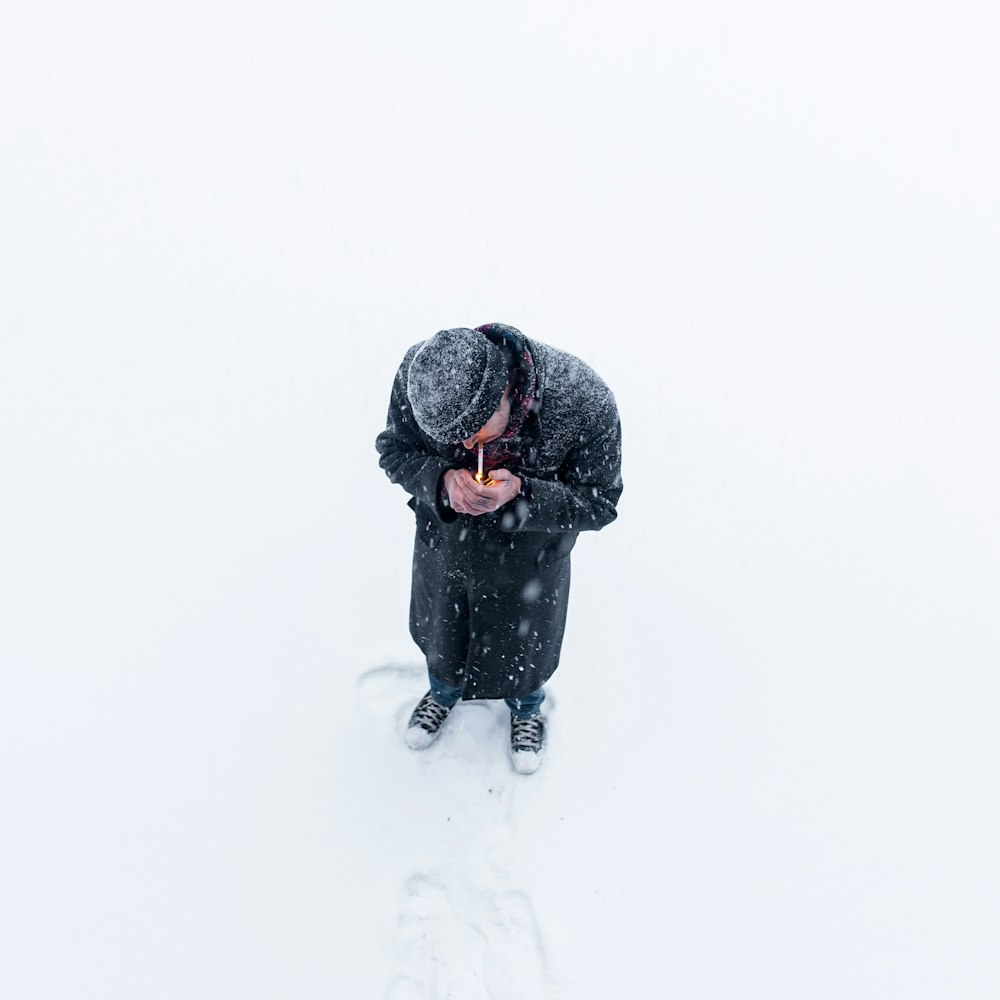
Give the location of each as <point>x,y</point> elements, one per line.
<point>772,743</point>
<point>465,921</point>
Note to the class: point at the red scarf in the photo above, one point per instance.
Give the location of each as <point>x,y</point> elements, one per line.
<point>505,451</point>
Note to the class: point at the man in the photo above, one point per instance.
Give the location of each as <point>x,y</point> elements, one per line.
<point>491,560</point>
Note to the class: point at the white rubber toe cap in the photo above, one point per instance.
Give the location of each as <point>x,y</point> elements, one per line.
<point>417,738</point>
<point>526,761</point>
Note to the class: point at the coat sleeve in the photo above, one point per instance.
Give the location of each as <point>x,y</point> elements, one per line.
<point>403,453</point>
<point>584,495</point>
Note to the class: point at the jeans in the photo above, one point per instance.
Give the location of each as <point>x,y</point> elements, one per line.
<point>520,708</point>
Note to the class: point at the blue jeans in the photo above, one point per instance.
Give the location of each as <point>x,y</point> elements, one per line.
<point>520,708</point>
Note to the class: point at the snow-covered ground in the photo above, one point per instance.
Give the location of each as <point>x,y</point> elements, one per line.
<point>772,764</point>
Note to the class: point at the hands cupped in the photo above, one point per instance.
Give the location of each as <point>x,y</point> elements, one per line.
<point>466,496</point>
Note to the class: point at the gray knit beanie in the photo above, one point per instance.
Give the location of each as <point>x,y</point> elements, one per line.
<point>456,381</point>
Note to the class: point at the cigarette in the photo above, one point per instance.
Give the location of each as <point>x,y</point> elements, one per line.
<point>480,476</point>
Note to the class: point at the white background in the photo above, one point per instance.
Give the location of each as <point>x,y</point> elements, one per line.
<point>772,228</point>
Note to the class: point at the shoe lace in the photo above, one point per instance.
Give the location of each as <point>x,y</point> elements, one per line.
<point>525,734</point>
<point>429,714</point>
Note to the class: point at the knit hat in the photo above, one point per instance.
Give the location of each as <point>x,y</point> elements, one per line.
<point>456,381</point>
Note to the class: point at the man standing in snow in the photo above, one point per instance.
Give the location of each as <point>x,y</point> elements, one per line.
<point>491,564</point>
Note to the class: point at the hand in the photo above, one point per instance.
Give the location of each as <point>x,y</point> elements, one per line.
<point>467,496</point>
<point>505,487</point>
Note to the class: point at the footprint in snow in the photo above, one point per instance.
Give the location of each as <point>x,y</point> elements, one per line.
<point>384,687</point>
<point>455,939</point>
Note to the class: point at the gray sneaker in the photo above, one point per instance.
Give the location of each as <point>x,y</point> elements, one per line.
<point>527,743</point>
<point>425,722</point>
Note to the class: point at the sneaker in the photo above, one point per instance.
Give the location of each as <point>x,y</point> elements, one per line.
<point>425,722</point>
<point>527,742</point>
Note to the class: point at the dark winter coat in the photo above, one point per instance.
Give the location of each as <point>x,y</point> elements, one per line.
<point>489,593</point>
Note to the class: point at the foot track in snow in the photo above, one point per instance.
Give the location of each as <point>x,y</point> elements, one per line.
<point>457,939</point>
<point>464,931</point>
